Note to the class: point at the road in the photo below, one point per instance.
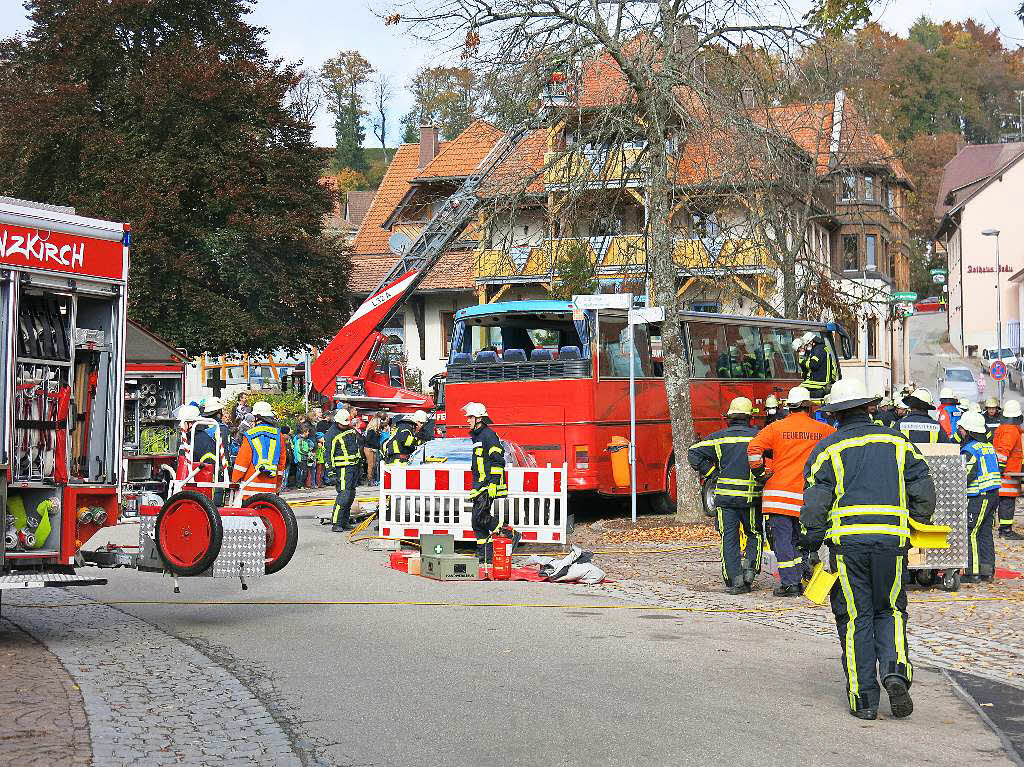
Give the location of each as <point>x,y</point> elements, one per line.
<point>930,349</point>
<point>441,682</point>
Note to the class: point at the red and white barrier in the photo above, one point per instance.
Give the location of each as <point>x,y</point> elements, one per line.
<point>435,499</point>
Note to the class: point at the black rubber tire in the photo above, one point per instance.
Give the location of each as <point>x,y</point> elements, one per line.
<point>951,581</point>
<point>661,502</point>
<point>707,494</point>
<point>216,533</point>
<point>926,578</point>
<point>291,527</point>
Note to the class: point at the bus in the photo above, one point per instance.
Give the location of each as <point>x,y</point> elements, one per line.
<point>555,380</point>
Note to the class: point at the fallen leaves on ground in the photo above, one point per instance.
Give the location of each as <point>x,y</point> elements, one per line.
<point>666,534</point>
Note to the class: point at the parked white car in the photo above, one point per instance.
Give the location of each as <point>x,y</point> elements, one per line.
<point>961,380</point>
<point>990,356</point>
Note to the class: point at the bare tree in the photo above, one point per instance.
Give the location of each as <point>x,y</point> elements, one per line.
<point>650,113</point>
<point>305,97</point>
<point>382,94</point>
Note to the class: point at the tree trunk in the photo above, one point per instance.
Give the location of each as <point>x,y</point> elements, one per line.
<point>677,368</point>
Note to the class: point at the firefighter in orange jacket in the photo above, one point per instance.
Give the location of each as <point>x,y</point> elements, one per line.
<point>1007,442</point>
<point>788,443</point>
<point>261,452</point>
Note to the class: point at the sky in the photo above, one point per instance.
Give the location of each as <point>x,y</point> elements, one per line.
<point>314,30</point>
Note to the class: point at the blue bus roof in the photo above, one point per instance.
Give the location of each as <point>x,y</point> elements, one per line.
<point>504,307</point>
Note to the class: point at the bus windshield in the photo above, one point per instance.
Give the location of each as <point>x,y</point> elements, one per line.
<point>522,344</point>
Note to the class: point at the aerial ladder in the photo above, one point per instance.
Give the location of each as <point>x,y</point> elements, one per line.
<point>351,354</point>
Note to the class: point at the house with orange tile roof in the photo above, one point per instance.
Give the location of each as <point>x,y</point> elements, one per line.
<point>568,188</point>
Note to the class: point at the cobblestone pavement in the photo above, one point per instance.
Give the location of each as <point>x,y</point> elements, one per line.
<point>150,699</point>
<point>42,714</point>
<point>979,630</point>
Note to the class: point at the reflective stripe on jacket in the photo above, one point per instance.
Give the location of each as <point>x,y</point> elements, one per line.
<point>1007,443</point>
<point>488,464</point>
<point>401,444</point>
<point>819,368</point>
<point>344,449</point>
<point>982,467</point>
<point>787,443</point>
<point>863,484</point>
<point>726,452</point>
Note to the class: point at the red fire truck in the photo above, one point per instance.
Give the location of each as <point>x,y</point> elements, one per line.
<point>62,296</point>
<point>153,390</point>
<point>63,284</point>
<point>555,380</point>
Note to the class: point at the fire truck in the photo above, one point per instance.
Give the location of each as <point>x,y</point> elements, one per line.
<point>153,391</point>
<point>63,293</point>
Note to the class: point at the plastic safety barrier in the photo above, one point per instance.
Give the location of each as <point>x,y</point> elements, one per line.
<point>435,499</point>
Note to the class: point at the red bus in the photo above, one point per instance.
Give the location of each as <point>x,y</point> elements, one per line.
<point>555,380</point>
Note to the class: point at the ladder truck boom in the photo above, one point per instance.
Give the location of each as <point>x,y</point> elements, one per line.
<point>359,338</point>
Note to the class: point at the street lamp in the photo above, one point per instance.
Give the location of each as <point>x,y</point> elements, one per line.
<point>999,303</point>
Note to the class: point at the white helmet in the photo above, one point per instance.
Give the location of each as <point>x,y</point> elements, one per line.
<point>899,404</point>
<point>475,410</point>
<point>972,422</point>
<point>1012,409</point>
<point>946,393</point>
<point>341,417</point>
<point>848,393</point>
<point>419,417</point>
<point>798,396</point>
<point>213,405</point>
<point>797,344</point>
<point>263,409</point>
<point>922,395</point>
<point>187,413</point>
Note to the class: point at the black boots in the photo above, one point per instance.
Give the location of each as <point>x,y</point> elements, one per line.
<point>789,590</point>
<point>739,586</point>
<point>865,713</point>
<point>1007,533</point>
<point>899,696</point>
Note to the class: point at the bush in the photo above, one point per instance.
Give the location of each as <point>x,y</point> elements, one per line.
<point>289,406</point>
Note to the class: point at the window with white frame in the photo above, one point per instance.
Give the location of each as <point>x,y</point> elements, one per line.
<point>871,252</point>
<point>869,187</point>
<point>848,190</point>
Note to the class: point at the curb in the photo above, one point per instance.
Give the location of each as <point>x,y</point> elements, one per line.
<point>1008,747</point>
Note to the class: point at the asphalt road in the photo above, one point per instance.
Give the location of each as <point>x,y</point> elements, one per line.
<point>570,685</point>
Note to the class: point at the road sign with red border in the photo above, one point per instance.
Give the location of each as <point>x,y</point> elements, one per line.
<point>998,370</point>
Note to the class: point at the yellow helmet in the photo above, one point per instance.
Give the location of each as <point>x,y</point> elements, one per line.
<point>741,406</point>
<point>991,402</point>
<point>771,401</point>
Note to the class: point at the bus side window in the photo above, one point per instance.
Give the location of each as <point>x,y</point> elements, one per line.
<point>743,357</point>
<point>778,349</point>
<point>614,350</point>
<point>707,344</point>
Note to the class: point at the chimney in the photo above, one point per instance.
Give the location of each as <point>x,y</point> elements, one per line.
<point>429,143</point>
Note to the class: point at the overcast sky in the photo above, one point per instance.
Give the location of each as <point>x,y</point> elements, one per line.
<point>313,30</point>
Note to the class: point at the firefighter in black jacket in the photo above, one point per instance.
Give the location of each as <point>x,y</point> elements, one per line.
<point>863,484</point>
<point>344,450</point>
<point>819,367</point>
<point>488,479</point>
<point>737,495</point>
<point>408,436</point>
<point>917,426</point>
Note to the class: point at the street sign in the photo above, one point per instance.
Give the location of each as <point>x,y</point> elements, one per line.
<point>998,370</point>
<point>938,276</point>
<point>604,301</point>
<point>897,298</point>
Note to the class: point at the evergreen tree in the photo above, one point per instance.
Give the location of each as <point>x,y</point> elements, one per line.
<point>344,78</point>
<point>170,115</point>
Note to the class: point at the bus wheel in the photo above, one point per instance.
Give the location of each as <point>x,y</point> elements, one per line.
<point>707,494</point>
<point>666,502</point>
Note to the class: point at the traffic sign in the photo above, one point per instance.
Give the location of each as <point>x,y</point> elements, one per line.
<point>604,301</point>
<point>938,276</point>
<point>998,370</point>
<point>898,298</point>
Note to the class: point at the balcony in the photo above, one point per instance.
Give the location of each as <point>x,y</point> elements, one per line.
<point>596,168</point>
<point>622,255</point>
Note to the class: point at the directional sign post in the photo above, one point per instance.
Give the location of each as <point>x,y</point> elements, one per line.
<point>998,370</point>
<point>900,298</point>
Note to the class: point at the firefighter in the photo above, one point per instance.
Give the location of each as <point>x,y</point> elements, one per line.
<point>1007,442</point>
<point>206,439</point>
<point>883,414</point>
<point>863,483</point>
<point>788,443</point>
<point>344,448</point>
<point>261,453</point>
<point>949,411</point>
<point>407,437</point>
<point>899,411</point>
<point>993,417</point>
<point>736,494</point>
<point>982,497</point>
<point>488,479</point>
<point>918,426</point>
<point>772,411</point>
<point>819,367</point>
